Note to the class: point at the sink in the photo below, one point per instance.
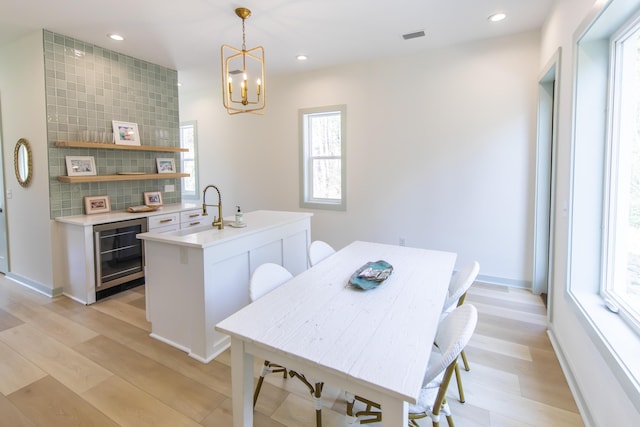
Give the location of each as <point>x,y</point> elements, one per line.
<point>201,228</point>
<point>193,230</point>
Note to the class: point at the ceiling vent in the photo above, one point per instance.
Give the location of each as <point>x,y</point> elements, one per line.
<point>414,35</point>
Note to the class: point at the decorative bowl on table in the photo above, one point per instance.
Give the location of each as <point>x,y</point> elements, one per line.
<point>371,275</point>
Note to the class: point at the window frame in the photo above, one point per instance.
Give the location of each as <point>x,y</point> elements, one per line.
<point>306,169</point>
<point>610,263</point>
<point>195,195</point>
<point>616,342</point>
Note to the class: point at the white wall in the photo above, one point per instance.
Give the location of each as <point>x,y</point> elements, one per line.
<point>601,397</point>
<point>22,98</point>
<point>440,150</point>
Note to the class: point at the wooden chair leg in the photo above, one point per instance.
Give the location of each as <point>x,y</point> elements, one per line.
<point>316,392</point>
<point>450,421</point>
<point>459,381</point>
<point>257,391</point>
<point>464,360</point>
<point>318,398</point>
<point>267,368</point>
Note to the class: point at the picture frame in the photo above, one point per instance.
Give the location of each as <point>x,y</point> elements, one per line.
<point>166,165</point>
<point>125,133</point>
<point>152,198</point>
<point>97,204</point>
<point>80,165</point>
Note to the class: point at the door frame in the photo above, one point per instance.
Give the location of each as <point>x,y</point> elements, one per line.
<point>545,178</point>
<point>4,264</point>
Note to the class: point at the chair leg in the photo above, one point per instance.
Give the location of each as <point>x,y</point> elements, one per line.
<point>318,398</point>
<point>257,392</point>
<point>450,421</point>
<point>357,417</point>
<point>459,381</point>
<point>267,368</point>
<point>464,360</point>
<point>316,392</point>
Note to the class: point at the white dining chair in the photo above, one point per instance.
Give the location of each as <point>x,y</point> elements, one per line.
<point>319,250</point>
<point>459,284</point>
<point>454,332</point>
<point>264,279</point>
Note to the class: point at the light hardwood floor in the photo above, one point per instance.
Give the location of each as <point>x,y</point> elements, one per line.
<point>66,364</point>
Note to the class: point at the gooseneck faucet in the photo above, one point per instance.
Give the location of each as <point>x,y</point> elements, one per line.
<point>216,221</point>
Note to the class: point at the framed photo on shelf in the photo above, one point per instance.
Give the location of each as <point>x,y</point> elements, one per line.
<point>152,198</point>
<point>166,165</point>
<point>96,204</point>
<point>80,165</point>
<point>125,133</point>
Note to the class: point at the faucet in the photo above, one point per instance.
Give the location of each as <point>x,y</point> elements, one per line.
<point>216,221</point>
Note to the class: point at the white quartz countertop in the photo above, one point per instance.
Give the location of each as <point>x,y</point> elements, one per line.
<point>206,235</point>
<point>103,218</point>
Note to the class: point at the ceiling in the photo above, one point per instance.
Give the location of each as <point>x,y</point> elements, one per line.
<point>187,34</point>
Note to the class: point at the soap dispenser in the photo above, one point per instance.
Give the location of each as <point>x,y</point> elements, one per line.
<point>239,216</point>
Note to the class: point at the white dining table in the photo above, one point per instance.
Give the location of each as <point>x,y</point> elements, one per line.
<point>374,343</point>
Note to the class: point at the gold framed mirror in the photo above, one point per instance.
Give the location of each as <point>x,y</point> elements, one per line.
<point>23,162</point>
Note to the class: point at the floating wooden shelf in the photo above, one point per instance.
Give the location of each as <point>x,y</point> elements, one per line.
<point>107,146</point>
<point>106,178</point>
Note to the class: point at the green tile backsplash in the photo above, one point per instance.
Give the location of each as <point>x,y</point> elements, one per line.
<point>86,88</point>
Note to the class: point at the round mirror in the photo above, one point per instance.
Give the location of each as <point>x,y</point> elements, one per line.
<point>22,159</point>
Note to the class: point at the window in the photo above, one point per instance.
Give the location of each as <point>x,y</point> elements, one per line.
<point>600,190</point>
<point>622,203</point>
<point>323,157</point>
<point>188,160</point>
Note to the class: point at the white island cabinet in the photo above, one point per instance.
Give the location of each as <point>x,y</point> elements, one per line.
<point>199,276</point>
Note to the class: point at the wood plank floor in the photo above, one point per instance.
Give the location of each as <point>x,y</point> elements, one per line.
<point>66,364</point>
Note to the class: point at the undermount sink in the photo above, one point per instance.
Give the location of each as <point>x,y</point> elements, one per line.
<point>200,228</point>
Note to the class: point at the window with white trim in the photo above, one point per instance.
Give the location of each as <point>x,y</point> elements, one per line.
<point>189,159</point>
<point>622,197</point>
<point>598,207</point>
<point>323,157</point>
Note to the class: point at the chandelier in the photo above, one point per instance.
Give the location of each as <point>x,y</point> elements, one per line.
<point>243,85</point>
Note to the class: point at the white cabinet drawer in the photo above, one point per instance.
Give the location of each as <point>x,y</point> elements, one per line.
<point>166,228</point>
<point>165,220</point>
<point>192,218</point>
<point>192,215</point>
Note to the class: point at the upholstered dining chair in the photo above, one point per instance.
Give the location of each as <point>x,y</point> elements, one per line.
<point>459,284</point>
<point>454,332</point>
<point>264,279</point>
<point>319,250</point>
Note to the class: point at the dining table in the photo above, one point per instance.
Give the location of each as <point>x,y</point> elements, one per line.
<point>373,342</point>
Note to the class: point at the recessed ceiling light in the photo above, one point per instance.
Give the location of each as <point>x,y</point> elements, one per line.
<point>116,37</point>
<point>496,17</point>
<point>301,57</point>
<point>179,84</point>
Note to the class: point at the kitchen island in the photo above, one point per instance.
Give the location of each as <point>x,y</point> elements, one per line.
<point>199,276</point>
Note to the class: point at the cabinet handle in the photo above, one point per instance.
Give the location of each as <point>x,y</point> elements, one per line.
<point>194,215</point>
<point>194,223</point>
<point>162,221</point>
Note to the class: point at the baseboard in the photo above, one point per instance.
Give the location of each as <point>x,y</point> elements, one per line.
<point>38,287</point>
<point>514,283</point>
<point>583,408</point>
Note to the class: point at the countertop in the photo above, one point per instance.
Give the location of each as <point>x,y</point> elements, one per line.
<point>103,218</point>
<point>206,235</point>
